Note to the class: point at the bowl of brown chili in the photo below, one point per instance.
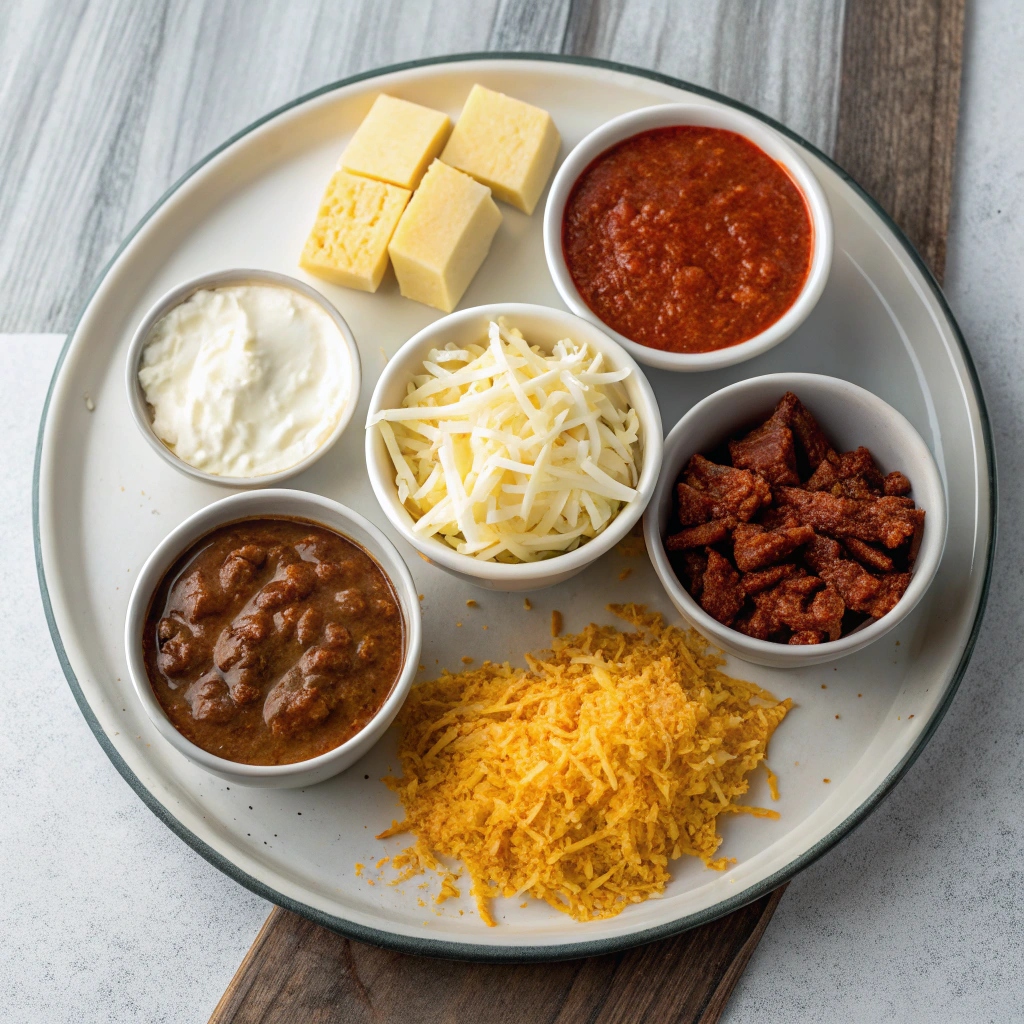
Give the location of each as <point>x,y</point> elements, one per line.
<point>797,519</point>
<point>694,234</point>
<point>272,637</point>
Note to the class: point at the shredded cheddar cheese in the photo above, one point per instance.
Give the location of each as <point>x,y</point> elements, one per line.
<point>578,779</point>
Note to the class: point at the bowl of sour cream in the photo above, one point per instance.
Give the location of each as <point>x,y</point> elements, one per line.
<point>243,377</point>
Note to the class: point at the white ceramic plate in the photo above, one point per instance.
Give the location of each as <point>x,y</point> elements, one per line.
<point>103,500</point>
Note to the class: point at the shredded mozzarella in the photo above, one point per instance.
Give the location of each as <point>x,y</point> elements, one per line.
<point>509,453</point>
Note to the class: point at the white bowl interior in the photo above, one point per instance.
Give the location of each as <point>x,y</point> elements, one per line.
<point>667,115</point>
<point>275,503</point>
<point>540,326</point>
<point>222,279</point>
<point>850,416</point>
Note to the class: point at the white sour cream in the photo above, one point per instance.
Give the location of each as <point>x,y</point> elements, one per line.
<point>246,380</point>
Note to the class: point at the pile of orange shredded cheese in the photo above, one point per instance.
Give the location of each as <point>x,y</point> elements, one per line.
<point>578,779</point>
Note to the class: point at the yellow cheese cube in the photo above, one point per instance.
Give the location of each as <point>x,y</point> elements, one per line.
<point>506,144</point>
<point>396,141</point>
<point>443,237</point>
<point>349,241</point>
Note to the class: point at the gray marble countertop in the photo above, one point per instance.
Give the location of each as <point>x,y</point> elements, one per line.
<point>105,915</point>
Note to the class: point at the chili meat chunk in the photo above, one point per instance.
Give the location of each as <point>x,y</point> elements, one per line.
<point>754,547</point>
<point>886,521</point>
<point>722,596</point>
<point>730,492</point>
<point>768,451</point>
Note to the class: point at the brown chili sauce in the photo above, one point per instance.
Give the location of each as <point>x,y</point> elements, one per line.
<point>687,239</point>
<point>273,640</point>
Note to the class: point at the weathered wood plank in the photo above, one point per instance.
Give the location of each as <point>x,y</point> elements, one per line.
<point>297,972</point>
<point>104,103</point>
<point>778,57</point>
<point>896,130</point>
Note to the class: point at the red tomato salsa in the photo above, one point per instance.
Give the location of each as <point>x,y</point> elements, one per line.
<point>687,239</point>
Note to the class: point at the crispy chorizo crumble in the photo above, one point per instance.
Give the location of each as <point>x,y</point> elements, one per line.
<point>793,542</point>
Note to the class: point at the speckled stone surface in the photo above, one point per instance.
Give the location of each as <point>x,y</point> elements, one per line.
<point>917,917</point>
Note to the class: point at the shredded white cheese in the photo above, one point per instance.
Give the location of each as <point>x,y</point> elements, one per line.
<point>509,453</point>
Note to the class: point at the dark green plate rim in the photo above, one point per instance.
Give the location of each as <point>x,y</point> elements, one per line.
<point>520,954</point>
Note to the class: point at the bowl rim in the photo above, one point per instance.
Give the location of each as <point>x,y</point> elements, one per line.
<point>766,652</point>
<point>221,279</point>
<point>234,508</point>
<point>381,474</point>
<point>713,115</point>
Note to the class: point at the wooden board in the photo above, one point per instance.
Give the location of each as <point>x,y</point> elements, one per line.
<point>898,107</point>
<point>298,972</point>
<point>896,134</point>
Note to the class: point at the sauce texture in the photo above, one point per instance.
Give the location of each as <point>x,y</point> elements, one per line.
<point>272,641</point>
<point>687,239</point>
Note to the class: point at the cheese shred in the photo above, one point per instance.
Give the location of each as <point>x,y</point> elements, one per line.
<point>512,454</point>
<point>579,779</point>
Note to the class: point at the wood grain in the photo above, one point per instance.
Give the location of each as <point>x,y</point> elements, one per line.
<point>105,103</point>
<point>898,109</point>
<point>299,973</point>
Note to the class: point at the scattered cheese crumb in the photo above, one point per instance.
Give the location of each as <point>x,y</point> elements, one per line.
<point>359,869</point>
<point>467,660</point>
<point>556,623</point>
<point>633,545</point>
<point>625,574</point>
<point>826,781</point>
<point>527,604</point>
<point>471,603</point>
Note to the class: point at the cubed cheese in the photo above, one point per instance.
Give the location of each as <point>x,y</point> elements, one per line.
<point>349,241</point>
<point>506,144</point>
<point>396,141</point>
<point>443,237</point>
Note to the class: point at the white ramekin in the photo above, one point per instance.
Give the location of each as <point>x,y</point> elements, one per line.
<point>277,502</point>
<point>665,116</point>
<point>849,416</point>
<point>222,279</point>
<point>540,326</point>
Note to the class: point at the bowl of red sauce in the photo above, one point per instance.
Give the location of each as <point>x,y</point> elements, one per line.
<point>694,234</point>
